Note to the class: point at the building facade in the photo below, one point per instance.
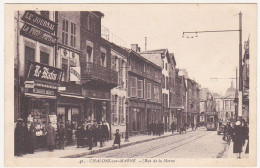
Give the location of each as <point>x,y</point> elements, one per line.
<point>119,94</point>
<point>144,92</point>
<point>245,79</point>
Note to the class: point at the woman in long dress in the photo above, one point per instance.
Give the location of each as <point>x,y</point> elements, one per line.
<point>238,139</point>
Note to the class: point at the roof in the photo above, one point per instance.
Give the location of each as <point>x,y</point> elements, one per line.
<point>153,58</point>
<point>162,52</point>
<point>140,56</point>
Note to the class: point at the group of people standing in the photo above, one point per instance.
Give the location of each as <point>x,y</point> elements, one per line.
<point>239,134</point>
<point>155,128</point>
<point>90,133</point>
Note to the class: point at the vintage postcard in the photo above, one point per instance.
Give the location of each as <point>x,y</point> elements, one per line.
<point>145,85</point>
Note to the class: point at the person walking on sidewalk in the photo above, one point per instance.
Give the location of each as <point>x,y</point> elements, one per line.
<point>69,130</point>
<point>172,127</point>
<point>50,134</point>
<point>30,137</point>
<point>117,138</point>
<point>89,134</point>
<point>238,138</point>
<point>80,136</point>
<point>60,135</point>
<point>18,138</point>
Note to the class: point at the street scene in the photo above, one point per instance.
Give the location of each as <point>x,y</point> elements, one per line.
<point>167,87</point>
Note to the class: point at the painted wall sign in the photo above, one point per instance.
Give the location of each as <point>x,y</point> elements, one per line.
<point>40,91</point>
<point>38,35</point>
<point>43,72</point>
<point>39,21</point>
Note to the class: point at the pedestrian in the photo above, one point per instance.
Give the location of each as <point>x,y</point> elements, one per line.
<point>153,128</point>
<point>117,138</point>
<point>192,126</point>
<point>247,145</point>
<point>95,133</point>
<point>172,127</point>
<point>224,132</point>
<point>89,134</point>
<point>104,131</point>
<point>60,135</point>
<point>30,137</point>
<point>238,138</point>
<point>69,130</point>
<point>80,136</point>
<point>229,132</point>
<point>245,132</point>
<point>108,130</point>
<point>50,135</point>
<point>18,137</point>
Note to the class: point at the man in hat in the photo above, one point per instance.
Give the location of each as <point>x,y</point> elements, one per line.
<point>18,138</point>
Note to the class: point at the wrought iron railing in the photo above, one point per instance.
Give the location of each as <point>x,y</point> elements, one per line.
<point>98,72</point>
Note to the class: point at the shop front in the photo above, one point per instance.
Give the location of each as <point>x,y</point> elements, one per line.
<point>39,96</point>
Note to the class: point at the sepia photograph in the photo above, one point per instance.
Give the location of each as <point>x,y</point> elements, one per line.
<point>130,84</point>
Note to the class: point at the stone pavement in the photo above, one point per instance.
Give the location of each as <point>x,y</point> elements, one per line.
<point>73,151</point>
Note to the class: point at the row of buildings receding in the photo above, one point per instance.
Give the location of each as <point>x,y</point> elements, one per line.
<point>65,71</point>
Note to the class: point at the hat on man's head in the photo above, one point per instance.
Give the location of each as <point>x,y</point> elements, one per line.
<point>19,119</point>
<point>238,123</point>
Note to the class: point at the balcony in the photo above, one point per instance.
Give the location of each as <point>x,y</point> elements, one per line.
<point>94,72</point>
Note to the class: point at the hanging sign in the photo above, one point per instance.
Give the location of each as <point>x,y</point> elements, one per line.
<point>39,21</point>
<point>38,35</point>
<point>44,72</point>
<point>75,74</point>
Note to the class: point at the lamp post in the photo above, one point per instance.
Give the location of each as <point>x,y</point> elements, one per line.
<point>127,120</point>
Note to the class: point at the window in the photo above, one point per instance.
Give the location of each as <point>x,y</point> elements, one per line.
<point>44,58</point>
<point>89,54</point>
<point>120,73</point>
<point>167,83</point>
<point>231,104</point>
<point>114,109</point>
<point>29,56</point>
<point>122,118</point>
<point>121,110</point>
<point>227,104</point>
<point>149,93</point>
<point>113,62</point>
<point>166,65</point>
<point>73,35</point>
<point>103,59</point>
<point>140,89</point>
<point>133,86</point>
<point>65,69</point>
<point>65,29</point>
<point>163,81</point>
<point>45,14</point>
<point>156,93</point>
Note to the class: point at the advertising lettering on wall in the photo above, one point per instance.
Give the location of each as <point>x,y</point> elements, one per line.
<point>38,35</point>
<point>75,74</point>
<point>40,91</point>
<point>39,21</point>
<point>43,72</point>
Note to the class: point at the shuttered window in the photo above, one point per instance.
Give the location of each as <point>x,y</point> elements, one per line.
<point>133,86</point>
<point>149,93</point>
<point>140,89</point>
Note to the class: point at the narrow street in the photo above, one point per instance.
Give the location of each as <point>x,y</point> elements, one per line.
<point>194,144</point>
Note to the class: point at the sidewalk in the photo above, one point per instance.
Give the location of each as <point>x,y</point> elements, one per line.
<point>73,151</point>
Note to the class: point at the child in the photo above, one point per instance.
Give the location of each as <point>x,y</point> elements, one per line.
<point>117,138</point>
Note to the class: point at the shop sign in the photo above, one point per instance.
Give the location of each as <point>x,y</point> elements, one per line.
<point>48,86</point>
<point>40,91</point>
<point>39,21</point>
<point>75,74</point>
<point>38,35</point>
<point>43,72</point>
<point>29,84</point>
<point>61,88</point>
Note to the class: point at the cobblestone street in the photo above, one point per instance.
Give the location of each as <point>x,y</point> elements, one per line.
<point>194,144</point>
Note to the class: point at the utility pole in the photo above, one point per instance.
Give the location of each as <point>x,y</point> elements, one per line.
<point>240,57</point>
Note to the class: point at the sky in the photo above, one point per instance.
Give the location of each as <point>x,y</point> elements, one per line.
<point>210,55</point>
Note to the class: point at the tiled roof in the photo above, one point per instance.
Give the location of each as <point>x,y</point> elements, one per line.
<point>155,58</point>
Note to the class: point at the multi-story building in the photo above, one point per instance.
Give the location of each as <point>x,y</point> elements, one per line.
<point>172,89</point>
<point>97,76</point>
<point>68,54</point>
<point>180,98</point>
<point>36,79</point>
<point>164,57</point>
<point>119,94</point>
<point>225,105</point>
<point>144,91</point>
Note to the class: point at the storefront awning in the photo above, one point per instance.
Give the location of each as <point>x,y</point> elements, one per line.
<point>73,96</point>
<point>98,99</point>
<point>39,96</point>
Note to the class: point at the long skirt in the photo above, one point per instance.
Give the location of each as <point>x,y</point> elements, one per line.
<point>237,148</point>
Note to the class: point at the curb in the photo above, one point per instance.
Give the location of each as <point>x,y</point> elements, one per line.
<point>114,147</point>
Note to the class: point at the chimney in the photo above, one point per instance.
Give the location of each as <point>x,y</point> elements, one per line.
<point>139,49</point>
<point>134,47</point>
